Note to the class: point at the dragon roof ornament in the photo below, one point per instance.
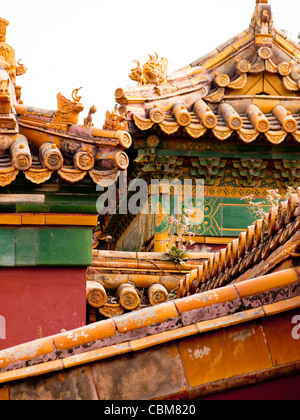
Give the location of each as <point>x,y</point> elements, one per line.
<point>3,25</point>
<point>154,71</point>
<point>40,141</point>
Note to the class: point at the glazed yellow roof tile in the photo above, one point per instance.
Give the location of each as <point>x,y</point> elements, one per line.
<point>226,294</point>
<point>39,142</point>
<point>85,335</point>
<point>27,353</point>
<point>38,171</point>
<point>247,126</point>
<point>97,355</point>
<point>156,325</point>
<point>247,88</point>
<point>143,318</point>
<point>116,280</point>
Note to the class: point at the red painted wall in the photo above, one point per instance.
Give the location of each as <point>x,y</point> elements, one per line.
<point>46,299</point>
<point>283,389</point>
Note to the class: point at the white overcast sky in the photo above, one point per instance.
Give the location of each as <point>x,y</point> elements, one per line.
<point>66,44</point>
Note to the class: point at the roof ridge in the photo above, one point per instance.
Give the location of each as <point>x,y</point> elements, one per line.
<point>134,345</point>
<point>288,38</point>
<point>235,40</point>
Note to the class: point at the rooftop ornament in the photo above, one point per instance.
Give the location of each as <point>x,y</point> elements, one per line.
<point>3,26</point>
<point>153,71</point>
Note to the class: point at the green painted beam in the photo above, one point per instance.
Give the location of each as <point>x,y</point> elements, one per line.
<point>45,246</point>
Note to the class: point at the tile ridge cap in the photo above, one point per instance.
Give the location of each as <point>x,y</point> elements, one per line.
<point>45,346</point>
<point>159,338</point>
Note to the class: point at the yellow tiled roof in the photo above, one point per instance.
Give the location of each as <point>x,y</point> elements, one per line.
<point>39,142</point>
<point>248,86</point>
<point>38,150</point>
<point>150,278</point>
<point>261,298</point>
<point>179,319</point>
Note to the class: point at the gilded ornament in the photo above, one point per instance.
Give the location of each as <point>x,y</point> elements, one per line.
<point>265,53</point>
<point>111,310</point>
<point>222,80</point>
<point>71,175</point>
<point>290,84</point>
<point>248,136</point>
<point>84,160</point>
<point>8,176</point>
<point>4,52</point>
<point>3,27</point>
<point>239,83</point>
<point>51,156</point>
<point>243,66</point>
<point>222,133</point>
<point>271,66</point>
<point>105,177</point>
<point>20,153</point>
<point>258,66</point>
<point>276,137</point>
<point>152,141</point>
<point>20,69</point>
<point>284,69</point>
<point>122,160</point>
<point>142,123</point>
<point>196,130</point>
<point>115,121</point>
<point>153,72</point>
<point>169,127</point>
<point>38,176</point>
<point>295,74</point>
<point>67,113</point>
<point>216,96</point>
<point>156,115</point>
<point>88,121</point>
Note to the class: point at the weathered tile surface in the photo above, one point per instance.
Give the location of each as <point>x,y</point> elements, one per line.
<point>74,384</point>
<point>143,376</point>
